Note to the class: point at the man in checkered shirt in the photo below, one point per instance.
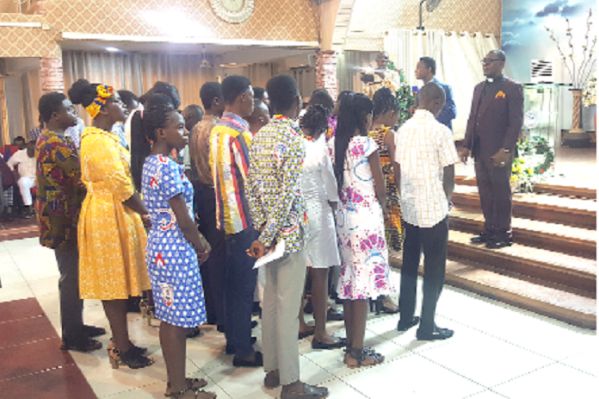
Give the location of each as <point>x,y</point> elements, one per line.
<point>424,168</point>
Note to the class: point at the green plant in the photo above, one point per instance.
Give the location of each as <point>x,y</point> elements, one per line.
<point>405,95</point>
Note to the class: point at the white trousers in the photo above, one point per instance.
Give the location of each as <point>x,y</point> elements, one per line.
<point>25,185</point>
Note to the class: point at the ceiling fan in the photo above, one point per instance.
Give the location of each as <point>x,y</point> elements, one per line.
<point>431,5</point>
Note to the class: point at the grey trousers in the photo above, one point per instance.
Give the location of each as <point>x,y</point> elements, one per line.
<point>284,285</point>
<point>71,305</point>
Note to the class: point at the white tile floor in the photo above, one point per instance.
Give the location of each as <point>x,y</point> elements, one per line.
<point>498,351</point>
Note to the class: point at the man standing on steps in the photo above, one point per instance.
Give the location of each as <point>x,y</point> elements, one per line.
<point>425,156</point>
<point>493,129</point>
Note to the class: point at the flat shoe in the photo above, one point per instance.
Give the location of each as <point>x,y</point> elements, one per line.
<point>333,345</point>
<point>93,331</point>
<point>436,335</point>
<point>307,333</point>
<point>308,392</point>
<point>256,362</point>
<point>333,315</point>
<point>402,326</point>
<point>271,379</point>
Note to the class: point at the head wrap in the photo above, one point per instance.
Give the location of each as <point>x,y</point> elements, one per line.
<point>103,93</point>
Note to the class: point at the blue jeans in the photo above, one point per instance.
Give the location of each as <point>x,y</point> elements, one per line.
<point>240,283</point>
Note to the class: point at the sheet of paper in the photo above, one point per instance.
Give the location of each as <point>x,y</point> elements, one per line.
<point>276,253</point>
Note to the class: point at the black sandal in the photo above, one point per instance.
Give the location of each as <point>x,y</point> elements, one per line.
<point>132,358</point>
<point>362,358</point>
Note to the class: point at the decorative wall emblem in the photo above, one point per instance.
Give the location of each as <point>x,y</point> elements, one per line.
<point>233,11</point>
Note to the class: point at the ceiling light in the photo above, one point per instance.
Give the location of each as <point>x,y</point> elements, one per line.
<point>112,49</point>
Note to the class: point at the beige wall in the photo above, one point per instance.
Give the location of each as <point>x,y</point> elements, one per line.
<point>194,20</point>
<point>271,20</point>
<point>455,15</point>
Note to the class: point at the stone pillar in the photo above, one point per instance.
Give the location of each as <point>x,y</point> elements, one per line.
<point>326,71</point>
<point>51,74</point>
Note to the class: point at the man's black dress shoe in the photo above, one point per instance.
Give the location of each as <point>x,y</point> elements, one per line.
<point>81,345</point>
<point>256,362</point>
<point>405,326</point>
<point>480,239</point>
<point>435,335</point>
<point>230,349</point>
<point>93,331</point>
<point>498,243</point>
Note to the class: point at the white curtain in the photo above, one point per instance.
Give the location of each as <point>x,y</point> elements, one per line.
<point>458,57</point>
<point>138,72</point>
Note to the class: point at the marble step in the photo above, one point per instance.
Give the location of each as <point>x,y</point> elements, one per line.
<point>575,212</point>
<point>553,269</point>
<point>555,189</point>
<point>554,237</point>
<point>565,306</point>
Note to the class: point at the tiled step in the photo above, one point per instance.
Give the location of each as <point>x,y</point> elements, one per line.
<point>566,191</point>
<point>561,271</point>
<point>554,237</point>
<point>544,207</point>
<point>571,308</point>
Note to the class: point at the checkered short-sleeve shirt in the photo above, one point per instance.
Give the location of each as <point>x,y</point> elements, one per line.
<point>423,148</point>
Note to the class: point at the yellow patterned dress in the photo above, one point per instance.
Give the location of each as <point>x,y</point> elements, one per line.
<point>393,230</point>
<point>112,238</point>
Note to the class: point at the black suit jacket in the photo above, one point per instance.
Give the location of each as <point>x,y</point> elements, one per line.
<point>496,119</point>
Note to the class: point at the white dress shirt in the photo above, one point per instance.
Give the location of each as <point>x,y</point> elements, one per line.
<point>24,163</point>
<point>423,148</point>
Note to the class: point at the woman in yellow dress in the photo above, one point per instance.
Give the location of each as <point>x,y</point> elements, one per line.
<point>385,114</point>
<point>111,233</point>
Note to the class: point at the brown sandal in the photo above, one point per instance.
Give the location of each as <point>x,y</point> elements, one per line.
<point>196,394</point>
<point>195,384</point>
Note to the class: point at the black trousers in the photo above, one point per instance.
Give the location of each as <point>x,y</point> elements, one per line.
<point>240,284</point>
<point>495,197</point>
<point>213,270</point>
<point>71,305</point>
<point>433,242</point>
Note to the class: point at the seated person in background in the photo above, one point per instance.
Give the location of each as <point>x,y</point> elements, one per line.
<point>23,164</point>
<point>19,141</point>
<point>7,182</point>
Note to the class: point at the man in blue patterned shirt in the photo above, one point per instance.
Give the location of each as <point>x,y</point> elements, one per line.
<point>278,212</point>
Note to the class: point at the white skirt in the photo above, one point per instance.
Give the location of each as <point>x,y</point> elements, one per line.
<point>321,236</point>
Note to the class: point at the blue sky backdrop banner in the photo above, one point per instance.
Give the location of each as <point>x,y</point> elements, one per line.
<point>524,37</point>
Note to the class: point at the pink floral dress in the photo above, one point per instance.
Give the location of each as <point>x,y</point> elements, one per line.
<point>361,228</point>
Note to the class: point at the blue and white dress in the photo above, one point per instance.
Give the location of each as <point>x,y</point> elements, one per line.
<point>172,261</point>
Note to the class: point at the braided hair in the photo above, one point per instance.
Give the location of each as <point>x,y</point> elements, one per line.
<point>384,101</point>
<point>315,120</point>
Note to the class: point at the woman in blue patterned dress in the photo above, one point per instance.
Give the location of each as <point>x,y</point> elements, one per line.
<point>174,244</point>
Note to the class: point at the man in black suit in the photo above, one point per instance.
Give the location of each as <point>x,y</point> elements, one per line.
<point>493,129</point>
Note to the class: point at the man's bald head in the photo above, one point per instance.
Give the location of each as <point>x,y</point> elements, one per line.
<point>431,98</point>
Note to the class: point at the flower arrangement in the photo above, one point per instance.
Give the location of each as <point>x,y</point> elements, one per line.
<point>535,158</point>
<point>589,95</point>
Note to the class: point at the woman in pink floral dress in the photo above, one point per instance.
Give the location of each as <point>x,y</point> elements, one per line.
<point>360,223</point>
